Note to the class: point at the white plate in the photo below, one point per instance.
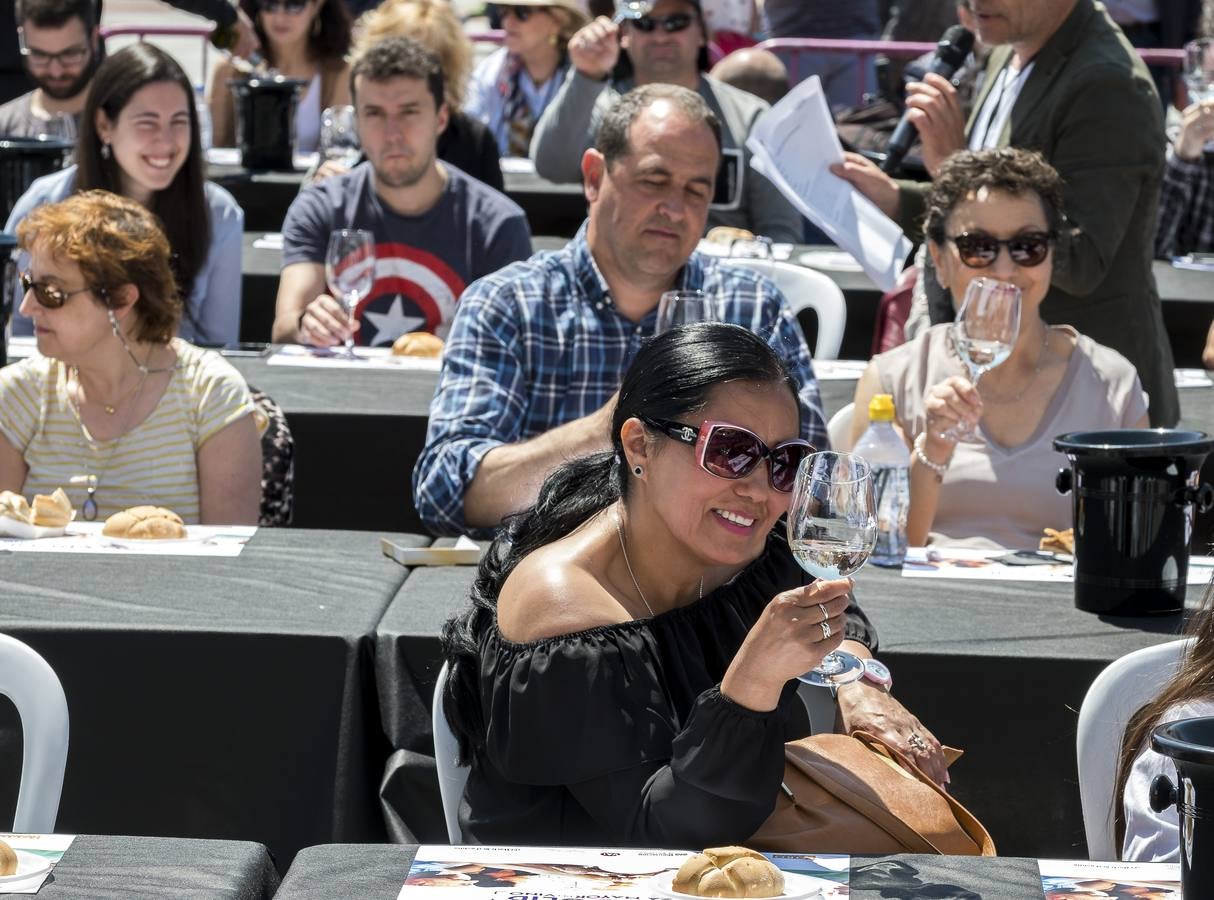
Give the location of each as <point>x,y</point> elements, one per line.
<point>146,542</point>
<point>464,553</point>
<point>25,531</point>
<point>830,261</point>
<point>796,887</point>
<point>28,865</point>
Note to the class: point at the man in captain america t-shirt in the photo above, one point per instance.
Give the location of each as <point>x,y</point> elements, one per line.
<point>435,228</point>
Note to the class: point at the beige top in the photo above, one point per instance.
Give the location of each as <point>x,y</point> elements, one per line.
<point>1007,494</point>
<point>154,463</point>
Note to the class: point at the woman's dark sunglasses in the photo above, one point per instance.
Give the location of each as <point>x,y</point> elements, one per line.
<point>294,7</point>
<point>522,13</point>
<point>670,24</point>
<point>729,451</point>
<point>978,249</point>
<point>47,294</point>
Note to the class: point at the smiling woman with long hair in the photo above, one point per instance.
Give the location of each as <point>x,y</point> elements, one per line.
<point>139,138</point>
<point>304,39</point>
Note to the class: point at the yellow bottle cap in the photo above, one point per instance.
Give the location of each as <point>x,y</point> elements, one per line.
<point>881,408</point>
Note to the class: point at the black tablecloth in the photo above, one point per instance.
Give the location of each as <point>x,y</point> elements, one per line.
<point>143,868</point>
<point>377,872</point>
<point>357,436</point>
<point>229,698</point>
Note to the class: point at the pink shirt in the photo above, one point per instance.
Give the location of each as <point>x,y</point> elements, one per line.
<point>1006,495</point>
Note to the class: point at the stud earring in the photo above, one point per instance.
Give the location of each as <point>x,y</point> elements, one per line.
<point>638,471</point>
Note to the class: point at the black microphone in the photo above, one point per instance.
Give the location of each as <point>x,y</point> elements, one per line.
<point>951,52</point>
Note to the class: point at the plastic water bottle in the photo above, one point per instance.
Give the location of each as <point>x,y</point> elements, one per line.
<point>890,463</point>
<point>204,118</point>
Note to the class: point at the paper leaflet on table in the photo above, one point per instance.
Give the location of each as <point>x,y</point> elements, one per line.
<point>980,565</point>
<point>794,146</point>
<point>1095,878</point>
<point>580,873</point>
<point>36,849</point>
<point>86,537</point>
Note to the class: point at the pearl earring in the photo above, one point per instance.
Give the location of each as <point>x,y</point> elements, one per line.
<point>637,471</point>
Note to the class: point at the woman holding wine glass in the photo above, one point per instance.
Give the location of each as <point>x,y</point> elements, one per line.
<point>651,590</point>
<point>992,218</point>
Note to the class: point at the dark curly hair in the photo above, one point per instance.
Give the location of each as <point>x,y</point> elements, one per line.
<point>1009,169</point>
<point>329,38</point>
<point>399,57</point>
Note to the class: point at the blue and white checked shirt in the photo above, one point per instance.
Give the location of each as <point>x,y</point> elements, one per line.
<point>539,343</point>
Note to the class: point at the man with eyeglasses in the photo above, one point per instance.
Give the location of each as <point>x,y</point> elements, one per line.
<point>667,46</point>
<point>1064,81</point>
<point>60,49</point>
<point>537,351</point>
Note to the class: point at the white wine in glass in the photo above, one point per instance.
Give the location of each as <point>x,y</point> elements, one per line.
<point>350,271</point>
<point>985,333</point>
<point>832,528</point>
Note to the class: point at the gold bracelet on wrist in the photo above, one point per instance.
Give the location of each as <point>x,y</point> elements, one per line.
<point>938,469</point>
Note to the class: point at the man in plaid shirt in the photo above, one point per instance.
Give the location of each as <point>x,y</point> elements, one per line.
<point>537,350</point>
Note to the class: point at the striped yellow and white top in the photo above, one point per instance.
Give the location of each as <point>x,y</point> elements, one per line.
<point>154,463</point>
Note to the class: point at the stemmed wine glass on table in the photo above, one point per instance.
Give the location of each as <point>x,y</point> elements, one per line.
<point>685,307</point>
<point>984,333</point>
<point>832,528</point>
<point>350,271</point>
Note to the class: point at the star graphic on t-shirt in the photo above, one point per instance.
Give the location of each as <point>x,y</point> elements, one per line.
<point>392,324</point>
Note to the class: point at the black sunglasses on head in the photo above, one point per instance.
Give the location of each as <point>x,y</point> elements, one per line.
<point>978,249</point>
<point>670,24</point>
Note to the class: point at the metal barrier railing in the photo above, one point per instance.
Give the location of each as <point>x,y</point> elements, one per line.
<point>791,49</point>
<point>202,32</point>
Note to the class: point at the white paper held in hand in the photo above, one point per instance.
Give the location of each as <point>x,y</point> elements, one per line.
<point>793,146</point>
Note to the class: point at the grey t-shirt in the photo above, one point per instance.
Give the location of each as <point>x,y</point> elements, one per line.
<point>17,119</point>
<point>822,18</point>
<point>422,263</point>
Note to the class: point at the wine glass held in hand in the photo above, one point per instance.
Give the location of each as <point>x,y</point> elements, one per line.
<point>1199,70</point>
<point>684,308</point>
<point>985,333</point>
<point>832,527</point>
<point>350,271</point>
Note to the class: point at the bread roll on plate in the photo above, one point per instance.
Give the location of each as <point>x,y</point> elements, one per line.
<point>8,858</point>
<point>15,507</point>
<point>418,343</point>
<point>729,872</point>
<point>53,511</point>
<point>145,523</point>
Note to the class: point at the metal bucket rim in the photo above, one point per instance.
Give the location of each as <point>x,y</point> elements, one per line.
<point>1105,443</point>
<point>1164,742</point>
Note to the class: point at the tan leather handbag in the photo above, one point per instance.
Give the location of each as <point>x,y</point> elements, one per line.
<point>849,795</point>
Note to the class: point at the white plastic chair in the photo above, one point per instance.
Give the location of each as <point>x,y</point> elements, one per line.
<point>29,681</point>
<point>839,428</point>
<point>803,288</point>
<point>1123,688</point>
<point>451,776</point>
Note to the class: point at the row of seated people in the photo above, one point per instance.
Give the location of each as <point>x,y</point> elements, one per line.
<point>649,184</point>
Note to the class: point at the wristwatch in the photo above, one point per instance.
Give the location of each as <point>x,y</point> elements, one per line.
<point>878,673</point>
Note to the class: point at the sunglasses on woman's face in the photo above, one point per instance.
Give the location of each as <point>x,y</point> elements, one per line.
<point>522,13</point>
<point>48,295</point>
<point>729,451</point>
<point>293,7</point>
<point>669,24</point>
<point>978,249</point>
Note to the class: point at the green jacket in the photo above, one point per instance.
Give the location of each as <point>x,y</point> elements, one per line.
<point>1090,108</point>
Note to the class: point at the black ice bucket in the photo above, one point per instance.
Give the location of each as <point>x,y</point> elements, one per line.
<point>9,299</point>
<point>22,159</point>
<point>265,121</point>
<point>1190,744</point>
<point>1134,492</point>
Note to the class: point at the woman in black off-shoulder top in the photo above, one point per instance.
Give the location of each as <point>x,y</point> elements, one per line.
<point>626,674</point>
